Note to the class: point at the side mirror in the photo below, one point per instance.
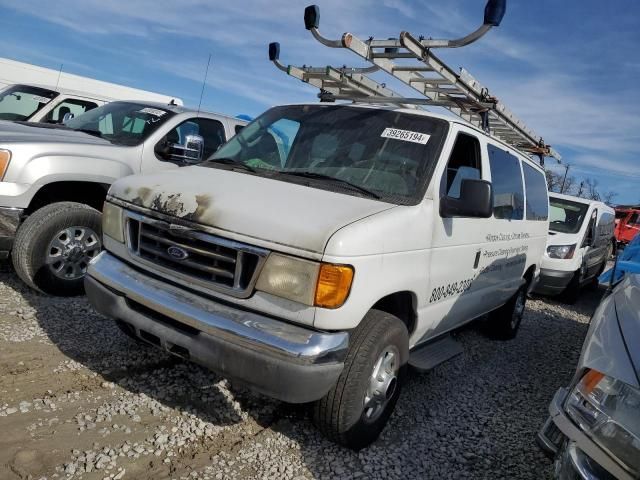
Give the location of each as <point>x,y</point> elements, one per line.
<point>67,117</point>
<point>190,152</point>
<point>476,200</point>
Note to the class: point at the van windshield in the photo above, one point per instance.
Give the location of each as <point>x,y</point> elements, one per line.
<point>382,154</point>
<point>121,123</point>
<point>566,216</point>
<point>21,102</point>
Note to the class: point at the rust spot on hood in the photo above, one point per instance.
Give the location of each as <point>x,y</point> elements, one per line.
<point>142,196</point>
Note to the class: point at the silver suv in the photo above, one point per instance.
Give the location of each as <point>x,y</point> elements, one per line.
<point>54,179</point>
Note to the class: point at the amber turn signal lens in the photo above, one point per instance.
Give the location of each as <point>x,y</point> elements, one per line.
<point>591,380</point>
<point>5,158</point>
<point>334,284</point>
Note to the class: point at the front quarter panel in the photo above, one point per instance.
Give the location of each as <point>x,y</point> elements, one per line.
<point>390,253</point>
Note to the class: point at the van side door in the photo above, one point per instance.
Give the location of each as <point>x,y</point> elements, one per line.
<point>454,295</point>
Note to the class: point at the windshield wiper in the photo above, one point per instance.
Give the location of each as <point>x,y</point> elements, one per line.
<point>322,176</point>
<point>233,163</point>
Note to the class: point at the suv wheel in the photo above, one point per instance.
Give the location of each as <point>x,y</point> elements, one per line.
<point>357,408</point>
<point>54,245</point>
<point>504,322</point>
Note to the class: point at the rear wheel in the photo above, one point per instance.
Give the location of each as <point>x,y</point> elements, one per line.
<point>54,245</point>
<point>504,322</point>
<point>357,408</point>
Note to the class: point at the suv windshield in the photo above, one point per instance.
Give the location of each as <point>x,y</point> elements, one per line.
<point>20,102</point>
<point>377,153</point>
<point>566,216</point>
<point>121,123</point>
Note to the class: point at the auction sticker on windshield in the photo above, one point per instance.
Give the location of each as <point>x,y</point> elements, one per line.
<point>405,135</point>
<point>153,111</point>
<point>40,99</point>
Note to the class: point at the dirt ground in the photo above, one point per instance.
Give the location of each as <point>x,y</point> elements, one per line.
<point>78,399</point>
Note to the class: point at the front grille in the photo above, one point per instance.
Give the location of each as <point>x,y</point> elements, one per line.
<point>205,259</point>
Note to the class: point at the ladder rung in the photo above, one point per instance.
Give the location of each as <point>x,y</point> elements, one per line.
<point>432,81</point>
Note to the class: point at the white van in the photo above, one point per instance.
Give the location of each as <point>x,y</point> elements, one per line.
<point>322,249</point>
<point>42,104</point>
<point>581,241</point>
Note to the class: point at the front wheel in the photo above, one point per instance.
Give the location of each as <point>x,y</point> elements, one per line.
<point>357,408</point>
<point>54,245</point>
<point>504,322</point>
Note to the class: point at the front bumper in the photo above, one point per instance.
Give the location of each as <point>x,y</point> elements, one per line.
<point>577,456</point>
<point>552,282</point>
<point>9,223</point>
<point>278,359</point>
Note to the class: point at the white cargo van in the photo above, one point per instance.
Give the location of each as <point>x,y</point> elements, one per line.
<point>581,241</point>
<point>41,104</point>
<point>326,247</point>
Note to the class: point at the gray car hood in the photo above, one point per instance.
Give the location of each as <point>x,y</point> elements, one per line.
<point>253,207</point>
<point>612,345</point>
<point>11,132</point>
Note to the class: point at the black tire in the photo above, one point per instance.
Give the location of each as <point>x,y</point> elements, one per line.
<point>504,322</point>
<point>32,242</point>
<point>341,415</point>
<point>571,293</point>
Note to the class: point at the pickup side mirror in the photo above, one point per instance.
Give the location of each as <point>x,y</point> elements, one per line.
<point>476,200</point>
<point>67,116</point>
<point>190,152</point>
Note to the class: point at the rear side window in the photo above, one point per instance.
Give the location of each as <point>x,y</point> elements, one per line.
<point>537,199</point>
<point>506,178</point>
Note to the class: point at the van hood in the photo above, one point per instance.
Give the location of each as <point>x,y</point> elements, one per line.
<point>13,132</point>
<point>269,210</point>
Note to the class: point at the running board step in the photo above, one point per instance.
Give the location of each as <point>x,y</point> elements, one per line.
<point>433,354</point>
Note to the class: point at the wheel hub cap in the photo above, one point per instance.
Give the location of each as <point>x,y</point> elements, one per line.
<point>382,383</point>
<point>71,250</point>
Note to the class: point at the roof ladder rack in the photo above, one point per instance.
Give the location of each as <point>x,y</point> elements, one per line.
<point>437,83</point>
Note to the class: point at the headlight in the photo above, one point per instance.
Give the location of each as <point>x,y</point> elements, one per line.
<point>5,158</point>
<point>112,224</point>
<point>561,251</point>
<point>608,410</point>
<point>311,283</point>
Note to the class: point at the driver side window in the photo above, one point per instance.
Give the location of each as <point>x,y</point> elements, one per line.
<point>464,162</point>
<point>212,131</point>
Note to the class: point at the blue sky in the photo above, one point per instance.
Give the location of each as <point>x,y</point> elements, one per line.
<point>567,68</point>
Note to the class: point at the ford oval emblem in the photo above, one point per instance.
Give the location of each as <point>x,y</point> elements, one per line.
<point>177,253</point>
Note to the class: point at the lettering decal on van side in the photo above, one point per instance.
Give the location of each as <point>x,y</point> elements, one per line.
<point>503,237</point>
<point>405,135</point>
<point>501,260</point>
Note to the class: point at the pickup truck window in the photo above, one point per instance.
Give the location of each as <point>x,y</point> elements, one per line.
<point>21,102</point>
<point>386,154</point>
<point>121,123</point>
<point>71,105</point>
<point>566,216</point>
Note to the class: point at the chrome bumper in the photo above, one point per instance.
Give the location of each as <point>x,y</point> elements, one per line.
<point>9,223</point>
<point>281,360</point>
<point>577,456</point>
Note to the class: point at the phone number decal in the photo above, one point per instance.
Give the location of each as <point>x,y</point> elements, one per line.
<point>446,291</point>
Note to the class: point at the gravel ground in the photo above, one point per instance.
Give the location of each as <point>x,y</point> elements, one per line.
<point>78,399</point>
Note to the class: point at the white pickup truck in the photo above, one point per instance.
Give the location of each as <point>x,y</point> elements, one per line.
<point>54,179</point>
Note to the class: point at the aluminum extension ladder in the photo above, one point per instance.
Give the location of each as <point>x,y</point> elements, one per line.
<point>438,84</point>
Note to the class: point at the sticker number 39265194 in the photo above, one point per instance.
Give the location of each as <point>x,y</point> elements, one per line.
<point>405,135</point>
